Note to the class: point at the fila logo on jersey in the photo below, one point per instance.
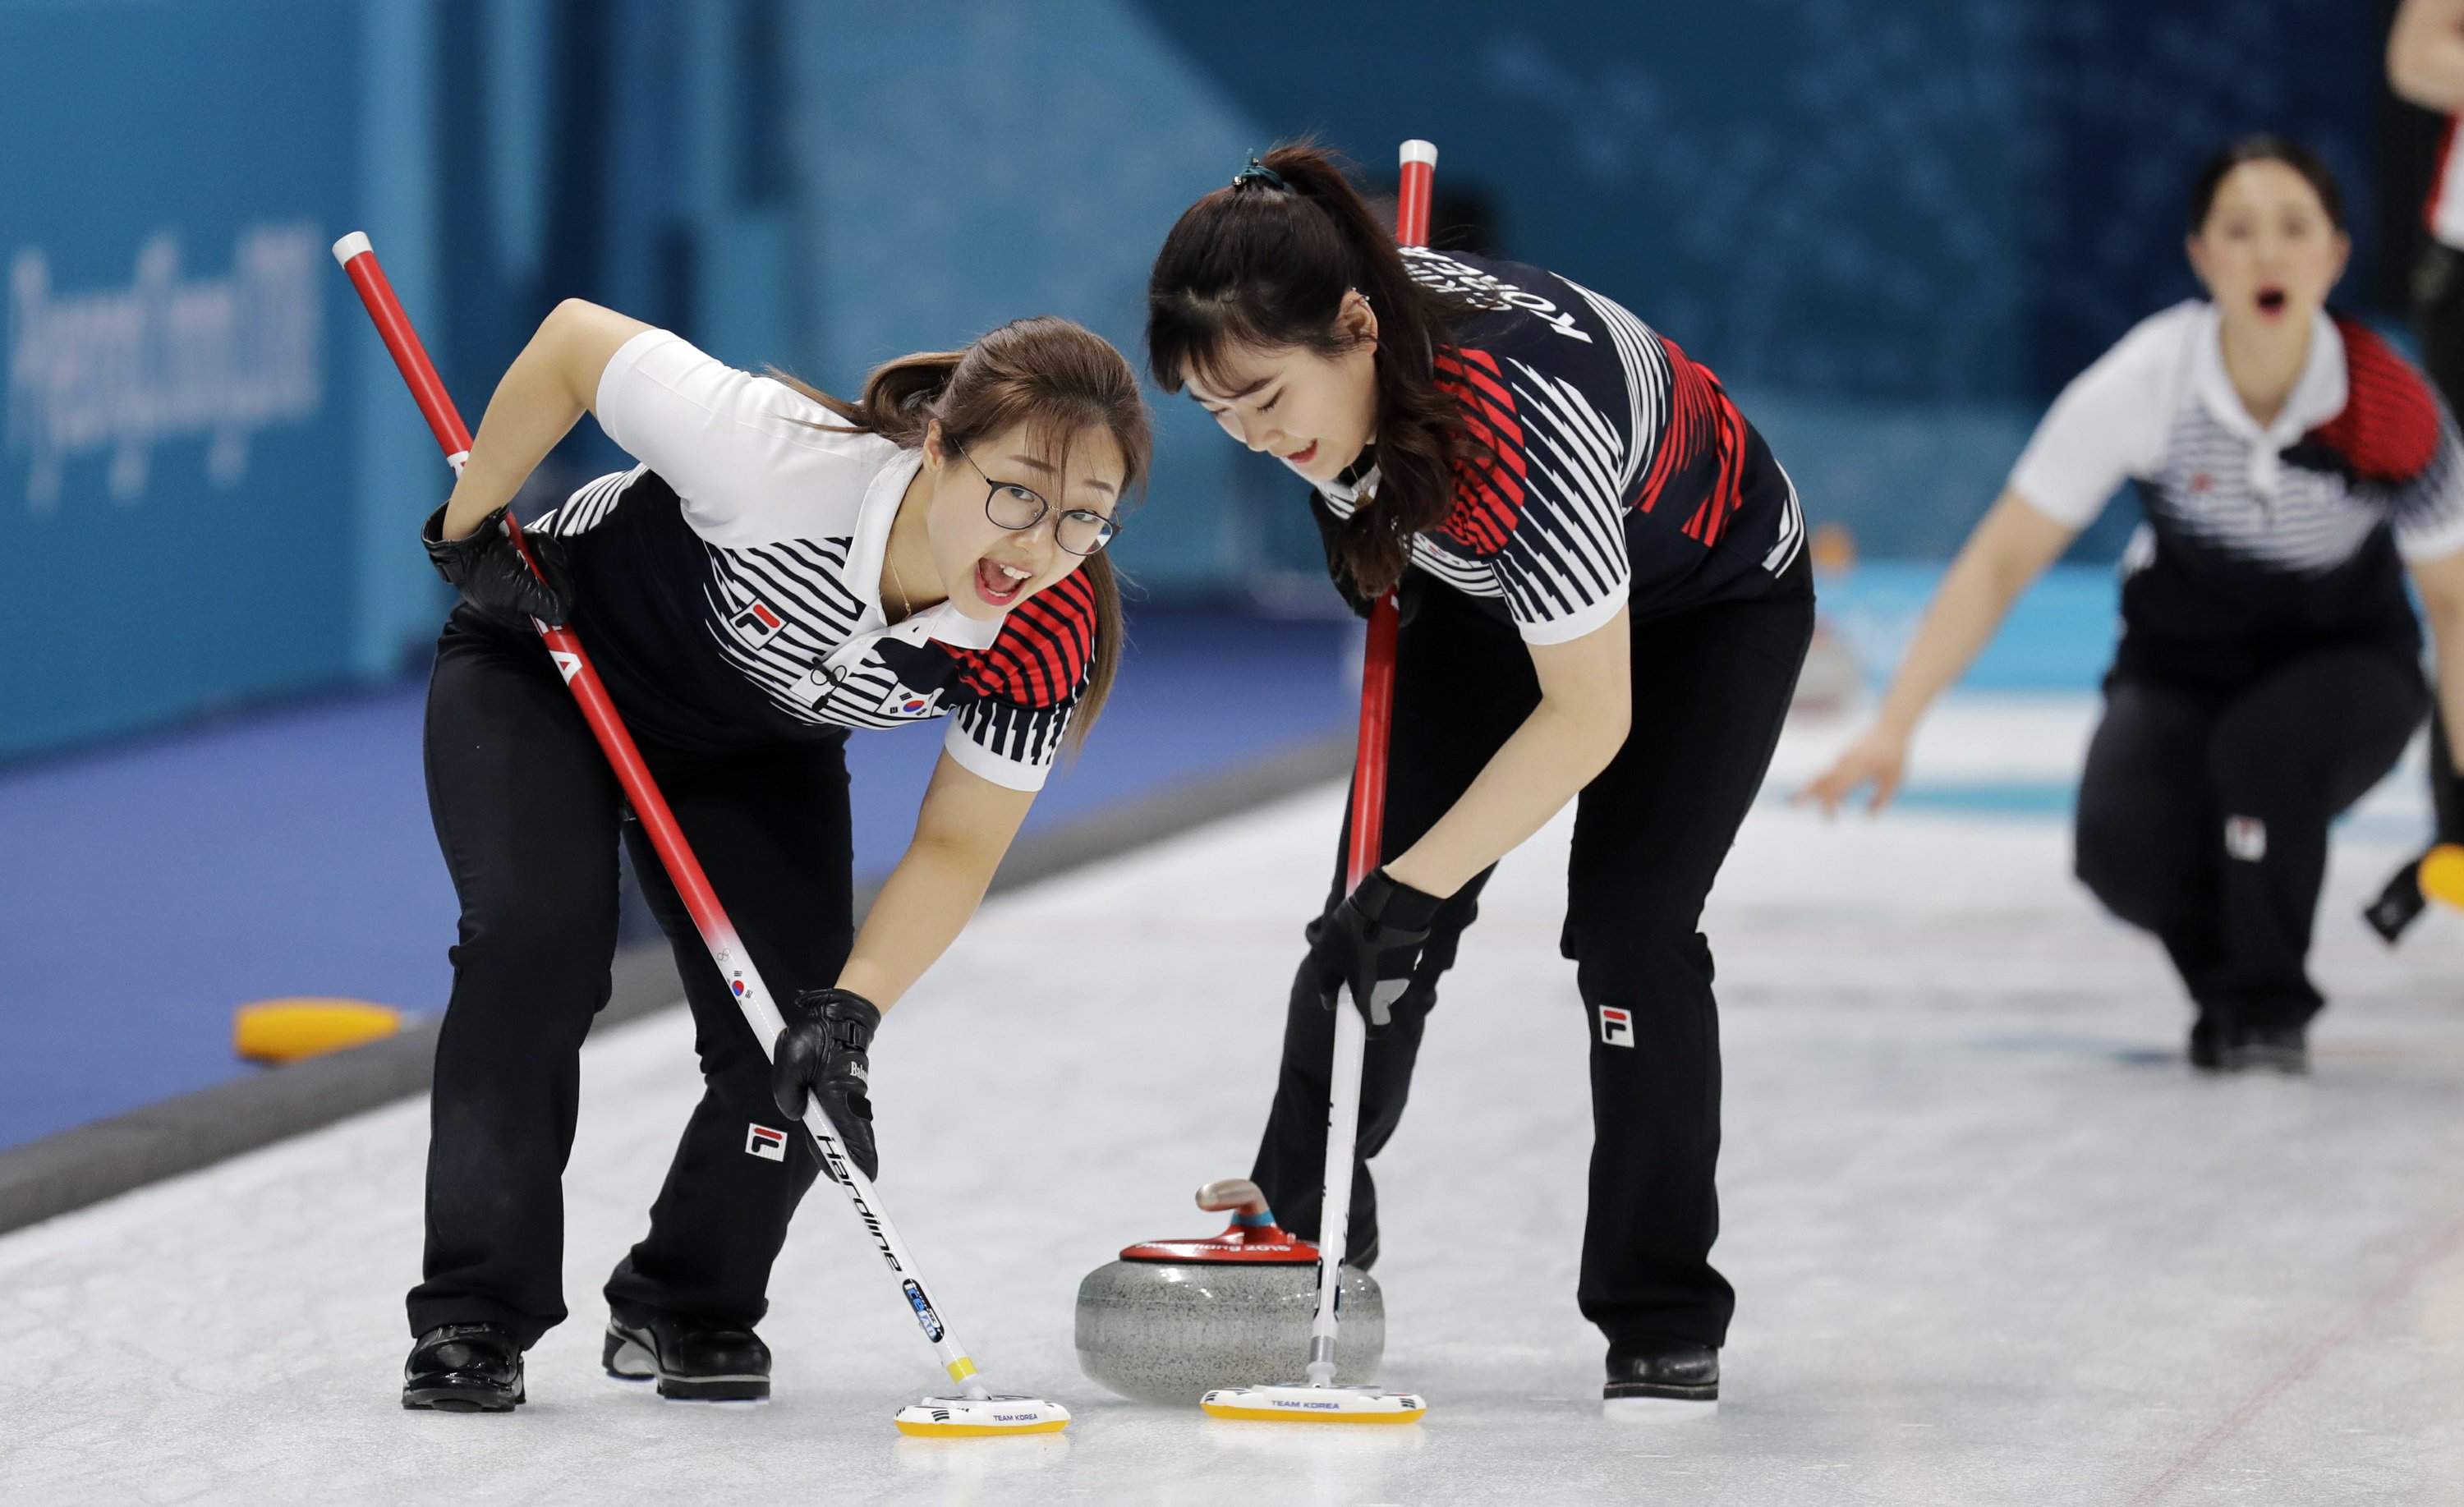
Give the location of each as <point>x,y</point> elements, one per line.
<point>756,624</point>
<point>2246,839</point>
<point>771,1146</point>
<point>1616,1026</point>
<point>567,665</point>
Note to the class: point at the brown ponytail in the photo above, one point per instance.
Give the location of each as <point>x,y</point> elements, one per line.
<point>1057,377</point>
<point>1258,267</point>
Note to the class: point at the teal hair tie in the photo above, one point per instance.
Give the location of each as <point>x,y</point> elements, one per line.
<point>1258,172</point>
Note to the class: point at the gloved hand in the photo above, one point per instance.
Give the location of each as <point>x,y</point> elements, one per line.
<point>487,571</point>
<point>822,1053</point>
<point>1369,943</point>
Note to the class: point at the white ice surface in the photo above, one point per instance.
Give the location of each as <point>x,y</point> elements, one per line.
<point>1992,1242</point>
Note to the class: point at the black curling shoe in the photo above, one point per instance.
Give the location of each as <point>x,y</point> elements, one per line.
<point>694,1363</point>
<point>2212,1046</point>
<point>464,1367</point>
<point>1674,1373</point>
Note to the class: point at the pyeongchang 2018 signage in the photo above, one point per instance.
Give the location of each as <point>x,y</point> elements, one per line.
<point>180,474</point>
<point>116,372</point>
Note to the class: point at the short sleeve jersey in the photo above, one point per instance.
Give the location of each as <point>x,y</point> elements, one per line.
<point>1606,466</point>
<point>728,587</point>
<point>2260,541</point>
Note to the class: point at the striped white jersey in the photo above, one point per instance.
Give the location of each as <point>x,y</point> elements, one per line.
<point>1610,467</point>
<point>2258,540</point>
<point>729,585</point>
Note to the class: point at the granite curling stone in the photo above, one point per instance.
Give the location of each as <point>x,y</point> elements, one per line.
<point>1173,1319</point>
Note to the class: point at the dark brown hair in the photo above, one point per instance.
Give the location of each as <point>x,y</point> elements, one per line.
<point>1256,266</point>
<point>2264,147</point>
<point>1060,379</point>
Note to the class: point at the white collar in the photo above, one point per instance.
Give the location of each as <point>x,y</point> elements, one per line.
<point>2318,394</point>
<point>1337,491</point>
<point>866,551</point>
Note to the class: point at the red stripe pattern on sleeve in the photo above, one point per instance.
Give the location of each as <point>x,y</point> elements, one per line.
<point>1489,481</point>
<point>1044,647</point>
<point>2388,430</point>
<point>1703,427</point>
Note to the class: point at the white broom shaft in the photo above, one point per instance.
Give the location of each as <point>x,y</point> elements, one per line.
<point>1334,1220</point>
<point>1419,165</point>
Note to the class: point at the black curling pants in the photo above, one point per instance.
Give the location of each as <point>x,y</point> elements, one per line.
<point>1711,688</point>
<point>528,813</point>
<point>2204,818</point>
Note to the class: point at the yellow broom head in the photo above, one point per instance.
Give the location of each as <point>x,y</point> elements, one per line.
<point>2442,874</point>
<point>982,1417</point>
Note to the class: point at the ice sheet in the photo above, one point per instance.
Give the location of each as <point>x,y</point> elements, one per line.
<point>1992,1242</point>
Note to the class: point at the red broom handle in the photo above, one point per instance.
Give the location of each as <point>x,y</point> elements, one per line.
<point>453,437</point>
<point>1377,663</point>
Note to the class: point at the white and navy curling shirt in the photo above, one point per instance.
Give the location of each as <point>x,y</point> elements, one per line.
<point>1607,467</point>
<point>729,587</point>
<point>2260,541</point>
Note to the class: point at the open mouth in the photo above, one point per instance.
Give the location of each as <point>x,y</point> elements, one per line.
<point>1000,584</point>
<point>2271,300</point>
<point>1302,457</point>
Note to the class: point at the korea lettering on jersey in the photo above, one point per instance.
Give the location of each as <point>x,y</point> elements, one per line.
<point>1582,421</point>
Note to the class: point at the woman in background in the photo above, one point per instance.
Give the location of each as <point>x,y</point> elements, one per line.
<point>2293,468</point>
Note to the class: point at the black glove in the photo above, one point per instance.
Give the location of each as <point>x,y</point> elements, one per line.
<point>1369,944</point>
<point>822,1053</point>
<point>487,571</point>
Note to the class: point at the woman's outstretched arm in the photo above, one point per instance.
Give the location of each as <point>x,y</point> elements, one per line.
<point>2010,548</point>
<point>2425,54</point>
<point>1586,709</point>
<point>550,386</point>
<point>961,832</point>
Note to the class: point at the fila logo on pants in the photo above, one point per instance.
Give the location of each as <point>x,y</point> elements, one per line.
<point>1616,1026</point>
<point>2246,839</point>
<point>771,1146</point>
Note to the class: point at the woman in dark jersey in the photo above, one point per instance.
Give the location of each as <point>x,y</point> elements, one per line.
<point>1605,599</point>
<point>2293,468</point>
<point>781,567</point>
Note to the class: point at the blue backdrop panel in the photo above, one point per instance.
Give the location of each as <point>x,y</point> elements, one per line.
<point>1814,196</point>
<point>974,160</point>
<point>174,504</point>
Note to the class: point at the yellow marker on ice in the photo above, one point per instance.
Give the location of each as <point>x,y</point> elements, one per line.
<point>288,1029</point>
<point>2442,874</point>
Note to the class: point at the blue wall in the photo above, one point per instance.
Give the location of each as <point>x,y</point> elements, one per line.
<point>184,515</point>
<point>1894,227</point>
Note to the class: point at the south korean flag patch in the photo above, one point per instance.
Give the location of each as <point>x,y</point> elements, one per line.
<point>771,1146</point>
<point>1616,1026</point>
<point>902,702</point>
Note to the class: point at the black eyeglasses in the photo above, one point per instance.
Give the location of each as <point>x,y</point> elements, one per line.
<point>1081,531</point>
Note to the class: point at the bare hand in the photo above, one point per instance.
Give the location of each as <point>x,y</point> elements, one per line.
<point>1880,757</point>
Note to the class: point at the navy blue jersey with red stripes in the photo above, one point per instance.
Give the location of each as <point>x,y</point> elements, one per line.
<point>1606,467</point>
